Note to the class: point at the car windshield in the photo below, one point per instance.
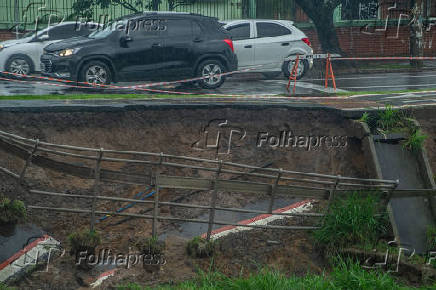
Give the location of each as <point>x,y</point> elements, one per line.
<point>114,26</point>
<point>32,33</point>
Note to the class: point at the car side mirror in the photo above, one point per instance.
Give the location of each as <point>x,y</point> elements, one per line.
<point>124,40</point>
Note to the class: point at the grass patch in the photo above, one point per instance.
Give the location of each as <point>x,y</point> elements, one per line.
<point>200,248</point>
<point>390,120</point>
<point>150,246</point>
<point>11,211</point>
<point>351,221</point>
<point>345,275</point>
<point>101,96</point>
<point>84,240</point>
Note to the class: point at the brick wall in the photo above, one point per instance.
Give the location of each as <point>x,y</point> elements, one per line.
<point>356,41</point>
<point>6,34</point>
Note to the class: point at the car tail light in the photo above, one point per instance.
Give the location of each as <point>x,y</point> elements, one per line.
<point>307,41</point>
<point>230,43</point>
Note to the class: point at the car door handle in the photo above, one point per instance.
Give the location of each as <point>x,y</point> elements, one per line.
<point>197,39</point>
<point>285,44</point>
<point>156,45</point>
<point>248,46</point>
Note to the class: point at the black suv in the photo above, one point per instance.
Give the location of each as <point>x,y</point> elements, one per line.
<point>146,46</point>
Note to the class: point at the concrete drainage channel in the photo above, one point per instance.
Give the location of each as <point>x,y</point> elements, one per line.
<point>410,216</point>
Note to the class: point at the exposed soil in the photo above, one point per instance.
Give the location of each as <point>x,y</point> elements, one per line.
<point>178,132</point>
<point>427,119</point>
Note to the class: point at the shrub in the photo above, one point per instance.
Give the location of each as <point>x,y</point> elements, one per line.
<point>431,238</point>
<point>150,246</point>
<point>84,241</point>
<point>11,211</point>
<point>200,247</point>
<point>352,221</point>
<point>415,141</point>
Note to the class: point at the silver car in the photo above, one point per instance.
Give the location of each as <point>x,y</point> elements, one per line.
<point>267,44</point>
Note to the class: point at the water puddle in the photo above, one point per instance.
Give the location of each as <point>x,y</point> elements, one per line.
<point>13,238</point>
<point>189,230</point>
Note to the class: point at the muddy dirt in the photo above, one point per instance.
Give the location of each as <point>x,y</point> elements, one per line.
<point>178,132</point>
<point>427,119</point>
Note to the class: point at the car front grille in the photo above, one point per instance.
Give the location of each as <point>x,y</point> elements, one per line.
<point>46,66</point>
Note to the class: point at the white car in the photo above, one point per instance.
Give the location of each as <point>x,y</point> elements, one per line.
<point>268,43</point>
<point>22,56</point>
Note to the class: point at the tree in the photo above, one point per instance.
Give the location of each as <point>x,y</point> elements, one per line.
<point>321,13</point>
<point>84,8</point>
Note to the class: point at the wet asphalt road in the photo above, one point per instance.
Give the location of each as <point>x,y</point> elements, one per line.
<point>256,85</point>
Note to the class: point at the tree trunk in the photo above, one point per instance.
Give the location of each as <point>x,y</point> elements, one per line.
<point>416,34</point>
<point>327,32</point>
<point>155,5</point>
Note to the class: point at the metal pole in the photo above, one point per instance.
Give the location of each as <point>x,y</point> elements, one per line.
<point>16,16</point>
<point>95,187</point>
<point>213,201</point>
<point>332,192</point>
<point>273,190</point>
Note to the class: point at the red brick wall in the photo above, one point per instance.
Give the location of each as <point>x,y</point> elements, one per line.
<point>6,34</point>
<point>356,42</point>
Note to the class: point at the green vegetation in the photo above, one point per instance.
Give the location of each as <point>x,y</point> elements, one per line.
<point>431,238</point>
<point>150,246</point>
<point>102,96</point>
<point>84,241</point>
<point>11,212</point>
<point>345,275</point>
<point>390,120</point>
<point>200,248</point>
<point>415,141</point>
<point>354,220</point>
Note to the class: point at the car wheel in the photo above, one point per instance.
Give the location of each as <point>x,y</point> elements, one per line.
<point>19,64</point>
<point>96,72</point>
<point>211,70</point>
<point>271,74</point>
<point>303,67</point>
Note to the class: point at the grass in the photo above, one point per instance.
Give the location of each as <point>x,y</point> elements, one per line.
<point>345,275</point>
<point>415,141</point>
<point>200,248</point>
<point>84,240</point>
<point>11,211</point>
<point>150,246</point>
<point>351,221</point>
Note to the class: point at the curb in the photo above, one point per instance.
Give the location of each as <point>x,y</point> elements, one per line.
<point>261,219</point>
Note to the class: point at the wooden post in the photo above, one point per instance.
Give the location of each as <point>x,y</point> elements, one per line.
<point>213,201</point>
<point>156,199</point>
<point>95,187</point>
<point>332,192</point>
<point>155,209</point>
<point>273,190</point>
<point>29,160</point>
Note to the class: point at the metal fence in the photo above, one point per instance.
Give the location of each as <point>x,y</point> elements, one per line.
<point>211,175</point>
<point>25,12</point>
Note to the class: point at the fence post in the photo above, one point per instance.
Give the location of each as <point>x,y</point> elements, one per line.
<point>213,201</point>
<point>29,160</point>
<point>332,192</point>
<point>156,199</point>
<point>95,187</point>
<point>273,191</point>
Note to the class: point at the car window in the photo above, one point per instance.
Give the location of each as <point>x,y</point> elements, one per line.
<point>179,28</point>
<point>265,29</point>
<point>240,31</point>
<point>62,32</point>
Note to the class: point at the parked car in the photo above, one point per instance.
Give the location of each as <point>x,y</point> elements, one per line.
<point>146,46</point>
<point>268,43</point>
<point>22,55</point>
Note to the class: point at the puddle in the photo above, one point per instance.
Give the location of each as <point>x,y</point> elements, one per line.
<point>15,238</point>
<point>189,230</point>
